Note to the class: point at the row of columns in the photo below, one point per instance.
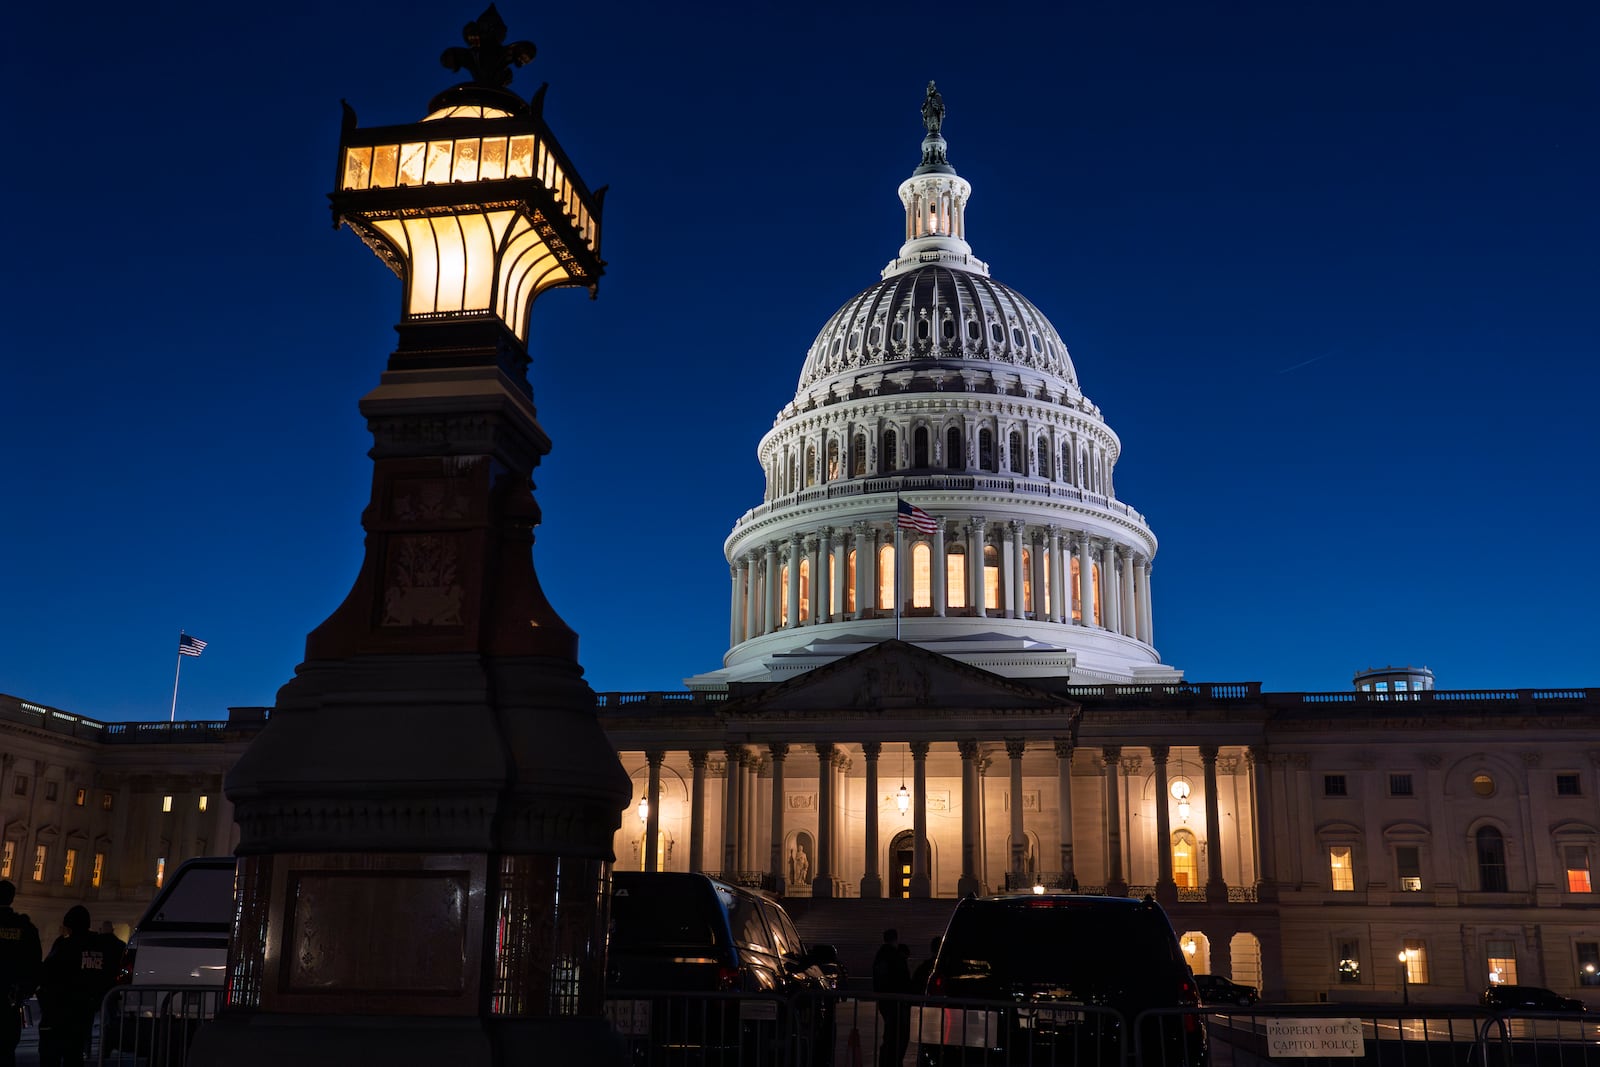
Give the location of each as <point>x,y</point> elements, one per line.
<point>739,814</point>
<point>762,603</point>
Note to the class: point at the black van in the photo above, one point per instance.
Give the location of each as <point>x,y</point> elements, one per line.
<point>1058,979</point>
<point>727,977</point>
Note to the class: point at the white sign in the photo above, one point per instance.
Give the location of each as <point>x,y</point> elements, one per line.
<point>1314,1037</point>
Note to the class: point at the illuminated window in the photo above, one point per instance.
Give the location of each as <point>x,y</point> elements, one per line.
<point>71,868</point>
<point>105,801</point>
<point>1340,869</point>
<point>833,459</point>
<point>850,580</point>
<point>1408,862</point>
<point>1185,860</point>
<point>83,794</point>
<point>919,448</point>
<point>202,802</point>
<point>166,803</point>
<point>1349,962</point>
<point>783,595</point>
<point>1502,962</point>
<point>888,458</point>
<point>921,575</point>
<point>41,855</point>
<point>811,465</point>
<point>1094,590</point>
<point>886,577</point>
<point>1416,962</point>
<point>1047,594</point>
<point>1027,578</point>
<point>1577,869</point>
<point>986,450</point>
<point>1491,860</point>
<point>1588,962</point>
<point>805,589</point>
<point>7,858</point>
<point>1483,785</point>
<point>991,577</point>
<point>98,869</point>
<point>161,871</point>
<point>1077,590</point>
<point>954,458</point>
<point>955,577</point>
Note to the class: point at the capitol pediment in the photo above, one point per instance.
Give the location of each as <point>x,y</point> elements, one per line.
<point>898,678</point>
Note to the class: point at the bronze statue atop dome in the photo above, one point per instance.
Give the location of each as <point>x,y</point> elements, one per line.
<point>933,111</point>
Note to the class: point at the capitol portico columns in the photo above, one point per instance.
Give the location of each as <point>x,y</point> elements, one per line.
<point>1261,785</point>
<point>1015,543</point>
<point>1110,609</point>
<point>751,564</point>
<point>1019,840</point>
<point>1085,582</point>
<point>778,751</point>
<point>697,810</point>
<point>941,569</point>
<point>971,813</point>
<point>770,623</point>
<point>864,559</point>
<point>1166,888</point>
<point>871,884</point>
<point>822,882</point>
<point>1126,622</point>
<point>1069,877</point>
<point>736,604</point>
<point>1116,885</point>
<point>822,573</point>
<point>1057,582</point>
<point>975,566</point>
<point>1216,885</point>
<point>920,884</point>
<point>730,810</point>
<point>652,825</point>
<point>837,552</point>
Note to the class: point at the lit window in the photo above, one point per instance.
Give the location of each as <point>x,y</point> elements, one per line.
<point>1588,962</point>
<point>1408,860</point>
<point>1502,963</point>
<point>1349,962</point>
<point>7,858</point>
<point>1333,785</point>
<point>1577,869</point>
<point>1483,785</point>
<point>1567,785</point>
<point>1027,578</point>
<point>805,590</point>
<point>105,801</point>
<point>1400,785</point>
<point>41,854</point>
<point>1416,954</point>
<point>921,575</point>
<point>1094,578</point>
<point>886,577</point>
<point>98,869</point>
<point>83,794</point>
<point>71,868</point>
<point>850,581</point>
<point>955,578</point>
<point>202,802</point>
<point>1491,860</point>
<point>1340,869</point>
<point>1077,590</point>
<point>991,577</point>
<point>1185,860</point>
<point>833,459</point>
<point>811,465</point>
<point>166,803</point>
<point>161,871</point>
<point>858,454</point>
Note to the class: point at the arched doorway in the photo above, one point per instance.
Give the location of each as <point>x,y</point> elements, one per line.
<point>902,855</point>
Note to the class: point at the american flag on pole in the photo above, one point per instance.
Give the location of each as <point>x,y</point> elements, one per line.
<point>190,646</point>
<point>912,517</point>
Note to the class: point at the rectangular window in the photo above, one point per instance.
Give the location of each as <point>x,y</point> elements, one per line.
<point>105,801</point>
<point>1502,963</point>
<point>7,858</point>
<point>20,786</point>
<point>1333,785</point>
<point>161,870</point>
<point>1339,867</point>
<point>1349,962</point>
<point>1588,962</point>
<point>50,789</point>
<point>1408,861</point>
<point>1416,962</point>
<point>955,580</point>
<point>98,870</point>
<point>71,868</point>
<point>202,802</point>
<point>1568,785</point>
<point>41,855</point>
<point>1577,869</point>
<point>166,803</point>
<point>1400,785</point>
<point>83,794</point>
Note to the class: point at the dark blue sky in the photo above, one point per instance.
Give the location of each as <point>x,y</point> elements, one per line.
<point>1329,269</point>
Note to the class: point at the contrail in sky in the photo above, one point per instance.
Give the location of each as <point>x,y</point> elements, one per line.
<point>1303,363</point>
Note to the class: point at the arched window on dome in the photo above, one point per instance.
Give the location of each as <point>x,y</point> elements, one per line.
<point>919,448</point>
<point>991,578</point>
<point>1066,462</point>
<point>783,595</point>
<point>955,576</point>
<point>833,458</point>
<point>1094,586</point>
<point>850,581</point>
<point>886,577</point>
<point>1018,461</point>
<point>888,459</point>
<point>1082,483</point>
<point>858,457</point>
<point>924,329</point>
<point>1077,592</point>
<point>954,459</point>
<point>947,329</point>
<point>921,575</point>
<point>1044,457</point>
<point>986,450</point>
<point>811,466</point>
<point>1027,583</point>
<point>805,590</point>
<point>974,330</point>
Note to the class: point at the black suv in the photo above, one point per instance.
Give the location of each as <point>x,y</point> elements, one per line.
<point>1215,989</point>
<point>688,960</point>
<point>1060,980</point>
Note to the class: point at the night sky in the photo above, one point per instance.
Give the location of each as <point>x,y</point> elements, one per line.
<point>1329,270</point>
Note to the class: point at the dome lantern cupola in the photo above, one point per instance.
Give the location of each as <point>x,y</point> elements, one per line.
<point>935,198</point>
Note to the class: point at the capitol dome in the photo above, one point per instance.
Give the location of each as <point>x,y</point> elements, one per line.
<point>940,477</point>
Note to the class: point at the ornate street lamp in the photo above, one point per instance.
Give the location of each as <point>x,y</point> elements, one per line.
<point>426,822</point>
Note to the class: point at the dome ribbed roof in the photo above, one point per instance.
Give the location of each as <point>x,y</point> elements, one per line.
<point>935,317</point>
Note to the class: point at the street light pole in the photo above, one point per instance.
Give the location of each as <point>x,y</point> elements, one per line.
<point>1405,977</point>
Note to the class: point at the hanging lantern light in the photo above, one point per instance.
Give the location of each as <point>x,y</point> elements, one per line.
<point>644,809</point>
<point>902,799</point>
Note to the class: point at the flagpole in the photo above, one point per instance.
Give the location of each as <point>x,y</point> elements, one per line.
<point>897,570</point>
<point>175,676</point>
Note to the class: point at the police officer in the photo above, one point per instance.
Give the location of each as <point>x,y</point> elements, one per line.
<point>81,967</point>
<point>19,971</point>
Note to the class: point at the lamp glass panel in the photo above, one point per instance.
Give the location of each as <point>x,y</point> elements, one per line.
<point>493,165</point>
<point>464,165</point>
<point>479,280</point>
<point>411,156</point>
<point>357,167</point>
<point>385,160</point>
<point>521,165</point>
<point>424,295</point>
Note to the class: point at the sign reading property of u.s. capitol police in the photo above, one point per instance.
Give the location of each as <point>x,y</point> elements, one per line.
<point>1314,1037</point>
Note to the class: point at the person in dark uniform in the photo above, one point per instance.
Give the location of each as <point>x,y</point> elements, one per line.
<point>891,974</point>
<point>19,971</point>
<point>80,969</point>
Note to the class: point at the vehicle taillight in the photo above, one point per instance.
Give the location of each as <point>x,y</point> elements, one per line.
<point>936,986</point>
<point>727,977</point>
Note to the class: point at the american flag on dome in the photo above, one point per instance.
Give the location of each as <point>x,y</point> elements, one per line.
<point>190,646</point>
<point>912,517</point>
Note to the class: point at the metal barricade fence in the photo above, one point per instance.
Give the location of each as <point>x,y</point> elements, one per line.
<point>151,1026</point>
